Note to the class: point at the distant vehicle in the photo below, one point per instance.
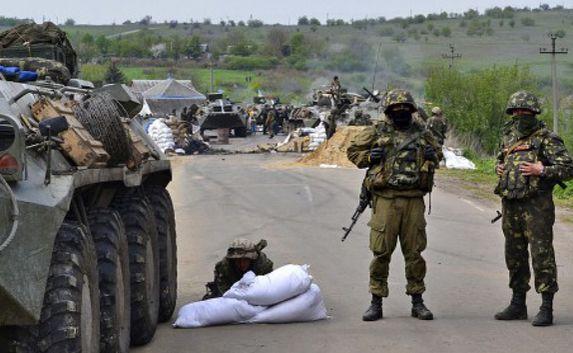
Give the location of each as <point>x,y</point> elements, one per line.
<point>221,113</point>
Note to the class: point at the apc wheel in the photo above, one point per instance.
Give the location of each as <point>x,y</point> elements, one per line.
<point>110,240</point>
<point>139,221</point>
<point>165,222</point>
<point>240,132</point>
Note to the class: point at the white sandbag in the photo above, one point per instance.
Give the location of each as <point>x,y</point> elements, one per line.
<point>453,161</point>
<point>217,311</point>
<point>283,283</point>
<point>308,306</point>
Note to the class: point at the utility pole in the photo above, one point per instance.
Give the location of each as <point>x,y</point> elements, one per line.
<point>452,56</point>
<point>554,51</point>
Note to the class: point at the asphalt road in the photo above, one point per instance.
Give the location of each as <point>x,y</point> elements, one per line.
<point>300,212</point>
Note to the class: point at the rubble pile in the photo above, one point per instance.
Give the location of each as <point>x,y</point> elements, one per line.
<point>333,151</point>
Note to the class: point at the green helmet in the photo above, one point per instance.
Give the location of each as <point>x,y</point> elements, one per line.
<point>399,96</point>
<point>523,100</point>
<point>242,248</point>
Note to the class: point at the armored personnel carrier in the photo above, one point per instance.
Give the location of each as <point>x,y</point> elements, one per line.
<point>221,113</point>
<point>87,227</point>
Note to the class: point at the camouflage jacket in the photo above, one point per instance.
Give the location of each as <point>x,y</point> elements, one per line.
<point>226,274</point>
<point>543,146</point>
<point>438,126</point>
<point>401,174</point>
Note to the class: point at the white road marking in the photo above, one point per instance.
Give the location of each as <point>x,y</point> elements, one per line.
<point>308,193</point>
<point>473,204</point>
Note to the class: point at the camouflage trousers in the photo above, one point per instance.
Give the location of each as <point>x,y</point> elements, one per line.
<point>529,224</point>
<point>392,219</point>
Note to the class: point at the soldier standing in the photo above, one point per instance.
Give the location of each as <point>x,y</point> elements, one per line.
<point>532,160</point>
<point>438,125</point>
<point>242,256</point>
<point>400,154</point>
<point>271,121</point>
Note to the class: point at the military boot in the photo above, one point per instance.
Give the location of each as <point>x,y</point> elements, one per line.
<point>545,315</point>
<point>517,310</point>
<point>419,310</point>
<point>374,311</point>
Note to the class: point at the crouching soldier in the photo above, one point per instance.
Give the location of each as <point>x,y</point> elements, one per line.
<point>242,256</point>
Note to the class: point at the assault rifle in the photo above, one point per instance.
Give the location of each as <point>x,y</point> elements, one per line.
<point>365,201</point>
<point>371,95</point>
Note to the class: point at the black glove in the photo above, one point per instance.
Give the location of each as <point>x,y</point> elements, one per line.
<point>430,153</point>
<point>377,154</point>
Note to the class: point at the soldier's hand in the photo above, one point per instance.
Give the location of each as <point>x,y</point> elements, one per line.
<point>499,169</point>
<point>430,153</point>
<point>377,154</point>
<point>531,169</point>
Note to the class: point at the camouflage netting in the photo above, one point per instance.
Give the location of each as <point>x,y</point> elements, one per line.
<point>44,67</point>
<point>101,115</point>
<point>29,35</point>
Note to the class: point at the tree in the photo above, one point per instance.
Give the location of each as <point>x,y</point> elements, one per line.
<point>70,22</point>
<point>276,41</point>
<point>241,24</point>
<point>512,23</point>
<point>193,47</point>
<point>303,21</point>
<point>114,74</point>
<point>173,24</point>
<point>314,22</point>
<point>102,44</point>
<point>446,31</point>
<point>206,21</point>
<point>255,23</point>
<point>471,14</point>
<point>528,22</point>
<point>145,21</point>
<point>545,7</point>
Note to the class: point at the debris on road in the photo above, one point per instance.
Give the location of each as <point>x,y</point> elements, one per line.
<point>333,151</point>
<point>454,159</point>
<point>285,295</point>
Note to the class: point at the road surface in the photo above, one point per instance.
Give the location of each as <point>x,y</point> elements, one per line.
<point>300,211</point>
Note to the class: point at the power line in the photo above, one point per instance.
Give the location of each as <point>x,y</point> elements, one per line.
<point>553,52</point>
<point>452,55</point>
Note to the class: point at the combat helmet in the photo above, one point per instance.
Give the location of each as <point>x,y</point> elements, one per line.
<point>523,100</point>
<point>241,248</point>
<point>399,96</point>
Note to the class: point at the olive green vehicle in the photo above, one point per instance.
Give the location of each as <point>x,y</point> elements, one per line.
<point>87,249</point>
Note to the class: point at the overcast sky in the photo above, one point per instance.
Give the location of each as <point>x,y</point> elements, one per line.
<point>270,11</point>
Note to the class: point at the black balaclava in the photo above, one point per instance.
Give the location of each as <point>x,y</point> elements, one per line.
<point>401,118</point>
<point>526,124</point>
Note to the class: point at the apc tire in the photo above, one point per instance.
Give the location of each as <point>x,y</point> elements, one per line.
<point>139,221</point>
<point>165,223</point>
<point>240,132</point>
<point>71,301</point>
<point>108,233</point>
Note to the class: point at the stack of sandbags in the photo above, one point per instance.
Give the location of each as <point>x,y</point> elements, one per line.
<point>180,131</point>
<point>162,135</point>
<point>284,295</point>
<point>317,137</point>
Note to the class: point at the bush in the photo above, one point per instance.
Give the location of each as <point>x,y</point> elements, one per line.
<point>528,22</point>
<point>475,102</point>
<point>250,62</point>
<point>446,32</point>
<point>387,31</point>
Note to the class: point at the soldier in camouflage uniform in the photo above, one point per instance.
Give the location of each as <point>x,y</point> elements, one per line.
<point>532,160</point>
<point>438,125</point>
<point>401,155</point>
<point>242,256</point>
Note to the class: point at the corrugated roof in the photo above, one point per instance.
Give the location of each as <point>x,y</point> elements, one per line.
<point>140,86</point>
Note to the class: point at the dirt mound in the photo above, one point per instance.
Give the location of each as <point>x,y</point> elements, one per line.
<point>333,151</point>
